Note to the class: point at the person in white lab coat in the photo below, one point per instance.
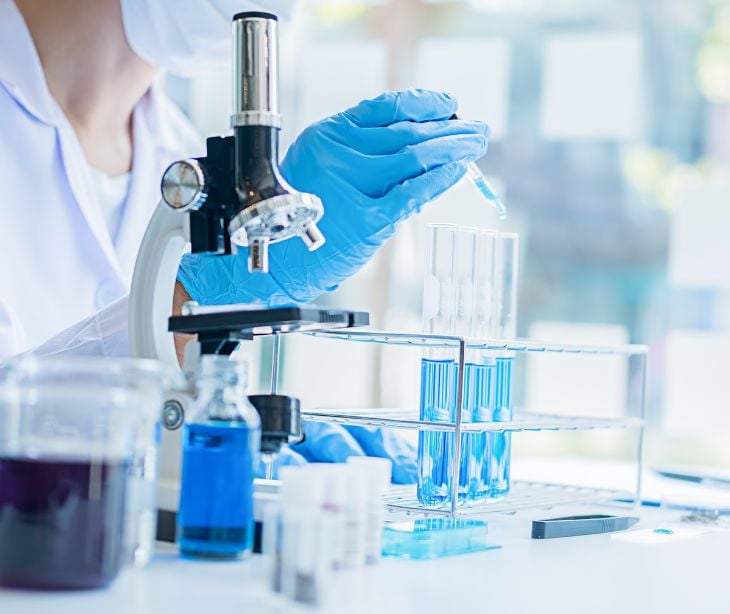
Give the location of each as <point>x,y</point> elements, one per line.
<point>78,190</point>
<point>85,136</point>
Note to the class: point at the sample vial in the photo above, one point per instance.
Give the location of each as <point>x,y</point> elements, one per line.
<point>356,520</point>
<point>304,567</point>
<point>220,452</point>
<point>378,473</point>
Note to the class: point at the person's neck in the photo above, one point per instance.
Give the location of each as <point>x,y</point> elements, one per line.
<point>92,73</point>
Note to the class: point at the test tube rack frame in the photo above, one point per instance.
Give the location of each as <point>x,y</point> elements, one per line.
<point>522,495</point>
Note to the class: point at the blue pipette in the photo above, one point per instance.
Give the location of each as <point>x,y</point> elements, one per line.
<point>480,183</point>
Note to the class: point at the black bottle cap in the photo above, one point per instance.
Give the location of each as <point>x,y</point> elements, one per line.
<point>280,420</point>
<point>259,14</point>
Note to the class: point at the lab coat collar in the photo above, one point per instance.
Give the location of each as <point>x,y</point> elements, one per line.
<point>161,136</point>
<point>141,201</point>
<point>21,71</point>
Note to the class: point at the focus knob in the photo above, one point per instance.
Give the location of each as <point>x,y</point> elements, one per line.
<point>183,186</point>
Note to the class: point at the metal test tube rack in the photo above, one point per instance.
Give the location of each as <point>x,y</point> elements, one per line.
<point>528,494</point>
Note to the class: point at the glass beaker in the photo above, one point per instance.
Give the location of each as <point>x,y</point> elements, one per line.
<point>78,452</point>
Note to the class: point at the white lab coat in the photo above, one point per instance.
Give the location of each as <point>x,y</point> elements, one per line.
<point>63,279</point>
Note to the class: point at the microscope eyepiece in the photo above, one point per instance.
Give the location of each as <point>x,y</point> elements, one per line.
<point>270,209</point>
<point>236,194</point>
<point>255,15</point>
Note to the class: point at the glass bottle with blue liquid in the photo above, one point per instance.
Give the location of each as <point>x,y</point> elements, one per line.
<point>221,442</point>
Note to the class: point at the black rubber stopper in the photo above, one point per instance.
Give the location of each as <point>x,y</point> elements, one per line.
<point>281,420</point>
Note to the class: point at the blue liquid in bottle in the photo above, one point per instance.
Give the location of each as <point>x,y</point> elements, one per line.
<point>501,442</point>
<point>215,518</point>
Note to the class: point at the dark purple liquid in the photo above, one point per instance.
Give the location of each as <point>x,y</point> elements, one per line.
<point>61,523</point>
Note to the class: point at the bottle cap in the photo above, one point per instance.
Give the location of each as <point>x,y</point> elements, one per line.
<point>300,487</point>
<point>223,369</point>
<point>378,473</point>
<point>358,489</point>
<point>335,483</point>
<point>315,482</point>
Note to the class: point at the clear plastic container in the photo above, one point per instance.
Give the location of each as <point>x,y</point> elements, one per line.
<point>77,468</point>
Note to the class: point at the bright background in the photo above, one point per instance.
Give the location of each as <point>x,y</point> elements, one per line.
<point>611,145</point>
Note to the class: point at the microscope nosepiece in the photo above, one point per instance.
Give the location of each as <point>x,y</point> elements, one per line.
<point>258,255</point>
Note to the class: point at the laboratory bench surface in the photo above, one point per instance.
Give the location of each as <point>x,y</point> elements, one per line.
<point>590,574</point>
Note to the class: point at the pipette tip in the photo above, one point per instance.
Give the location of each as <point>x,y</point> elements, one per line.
<point>480,182</point>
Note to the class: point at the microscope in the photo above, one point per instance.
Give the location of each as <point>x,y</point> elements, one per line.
<point>234,197</point>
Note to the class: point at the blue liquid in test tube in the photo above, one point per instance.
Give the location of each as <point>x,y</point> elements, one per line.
<point>436,448</point>
<point>481,443</point>
<point>470,290</point>
<point>501,442</point>
<point>439,381</point>
<point>480,183</point>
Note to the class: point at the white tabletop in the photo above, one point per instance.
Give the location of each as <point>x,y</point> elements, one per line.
<point>581,574</point>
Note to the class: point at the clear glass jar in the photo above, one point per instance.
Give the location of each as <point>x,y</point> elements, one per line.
<point>77,468</point>
<point>221,444</point>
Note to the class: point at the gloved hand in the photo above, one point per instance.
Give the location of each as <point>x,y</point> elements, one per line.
<point>373,166</point>
<point>332,443</point>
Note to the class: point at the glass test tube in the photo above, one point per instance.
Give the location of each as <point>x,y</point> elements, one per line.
<point>507,272</point>
<point>448,309</point>
<point>437,369</point>
<point>438,286</point>
<point>464,285</point>
<point>484,366</point>
<point>470,290</point>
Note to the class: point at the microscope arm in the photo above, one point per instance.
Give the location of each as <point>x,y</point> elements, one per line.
<point>153,284</point>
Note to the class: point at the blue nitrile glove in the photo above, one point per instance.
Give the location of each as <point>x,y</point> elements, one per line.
<point>373,166</point>
<point>331,443</point>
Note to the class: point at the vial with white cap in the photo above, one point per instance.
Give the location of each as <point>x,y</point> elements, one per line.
<point>271,545</point>
<point>377,477</point>
<point>356,516</point>
<point>334,513</point>
<point>302,498</point>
